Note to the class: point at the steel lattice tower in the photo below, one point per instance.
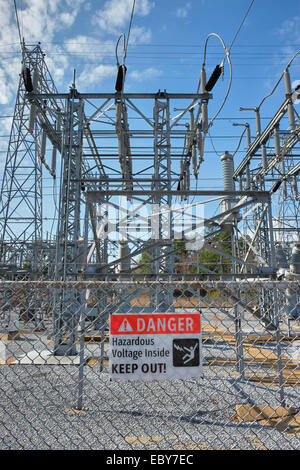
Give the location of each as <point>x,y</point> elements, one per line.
<point>21,221</point>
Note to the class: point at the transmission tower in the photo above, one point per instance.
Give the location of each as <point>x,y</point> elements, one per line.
<point>21,221</point>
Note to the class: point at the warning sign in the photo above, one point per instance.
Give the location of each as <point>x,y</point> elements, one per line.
<point>155,346</point>
<point>186,352</point>
<point>125,326</point>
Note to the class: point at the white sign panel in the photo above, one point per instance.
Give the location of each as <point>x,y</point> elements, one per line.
<point>155,346</point>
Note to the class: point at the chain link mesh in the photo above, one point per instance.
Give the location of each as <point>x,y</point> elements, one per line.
<point>56,391</point>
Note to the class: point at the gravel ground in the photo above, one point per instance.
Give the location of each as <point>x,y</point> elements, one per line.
<point>37,402</point>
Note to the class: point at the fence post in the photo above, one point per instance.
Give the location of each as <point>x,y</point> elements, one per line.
<point>239,340</point>
<point>278,348</point>
<point>83,313</point>
<point>276,308</point>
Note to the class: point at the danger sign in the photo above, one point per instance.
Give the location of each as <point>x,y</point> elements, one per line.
<point>155,346</point>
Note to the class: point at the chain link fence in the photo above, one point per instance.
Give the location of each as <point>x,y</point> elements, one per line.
<point>57,389</point>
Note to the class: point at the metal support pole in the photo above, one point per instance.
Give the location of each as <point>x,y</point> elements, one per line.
<point>276,316</point>
<point>84,302</point>
<point>68,250</point>
<point>164,259</point>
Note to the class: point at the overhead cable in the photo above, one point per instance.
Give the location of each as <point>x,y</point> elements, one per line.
<point>279,80</point>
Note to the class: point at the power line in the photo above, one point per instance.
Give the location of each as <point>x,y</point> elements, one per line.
<point>129,29</point>
<point>161,53</point>
<point>18,24</point>
<point>241,25</point>
<point>156,44</point>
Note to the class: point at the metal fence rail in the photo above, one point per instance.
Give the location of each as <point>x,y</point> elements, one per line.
<point>57,392</point>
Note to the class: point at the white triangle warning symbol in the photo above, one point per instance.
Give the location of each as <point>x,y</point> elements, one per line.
<point>125,326</point>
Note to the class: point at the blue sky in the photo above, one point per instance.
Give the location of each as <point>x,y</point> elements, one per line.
<point>165,52</point>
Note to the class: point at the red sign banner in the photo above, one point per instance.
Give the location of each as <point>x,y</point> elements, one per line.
<point>153,324</point>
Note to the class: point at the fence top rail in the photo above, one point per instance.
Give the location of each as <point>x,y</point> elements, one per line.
<point>184,283</point>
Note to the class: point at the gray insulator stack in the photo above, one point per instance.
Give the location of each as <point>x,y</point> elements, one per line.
<point>182,181</point>
<point>124,250</point>
<point>43,143</point>
<point>295,187</point>
<point>228,182</point>
<point>292,300</point>
<point>187,177</point>
<point>199,145</point>
<point>248,177</point>
<point>280,256</point>
<point>228,171</point>
<point>57,130</point>
<point>288,91</point>
<point>295,260</point>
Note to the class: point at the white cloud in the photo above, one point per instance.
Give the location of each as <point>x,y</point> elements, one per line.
<point>9,76</point>
<point>290,30</point>
<point>116,14</point>
<point>87,47</point>
<point>87,6</point>
<point>290,35</point>
<point>182,12</point>
<point>39,20</point>
<point>92,75</point>
<point>57,62</point>
<point>147,74</point>
<point>140,34</point>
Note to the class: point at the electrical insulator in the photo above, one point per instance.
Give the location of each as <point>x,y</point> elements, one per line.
<point>194,158</point>
<point>204,116</point>
<point>264,157</point>
<point>280,258</point>
<point>27,79</point>
<point>228,171</point>
<point>199,141</point>
<point>53,160</point>
<point>214,78</point>
<point>295,187</point>
<point>187,177</point>
<point>203,80</point>
<point>295,259</point>
<point>240,183</point>
<point>228,202</point>
<point>120,78</point>
<point>33,110</point>
<point>181,178</point>
<point>288,91</point>
<point>247,177</point>
<point>276,142</point>
<point>124,251</point>
<point>43,142</point>
<point>276,186</point>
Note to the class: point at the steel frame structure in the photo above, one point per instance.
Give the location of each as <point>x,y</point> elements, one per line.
<point>103,140</point>
<point>272,163</point>
<point>21,232</point>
